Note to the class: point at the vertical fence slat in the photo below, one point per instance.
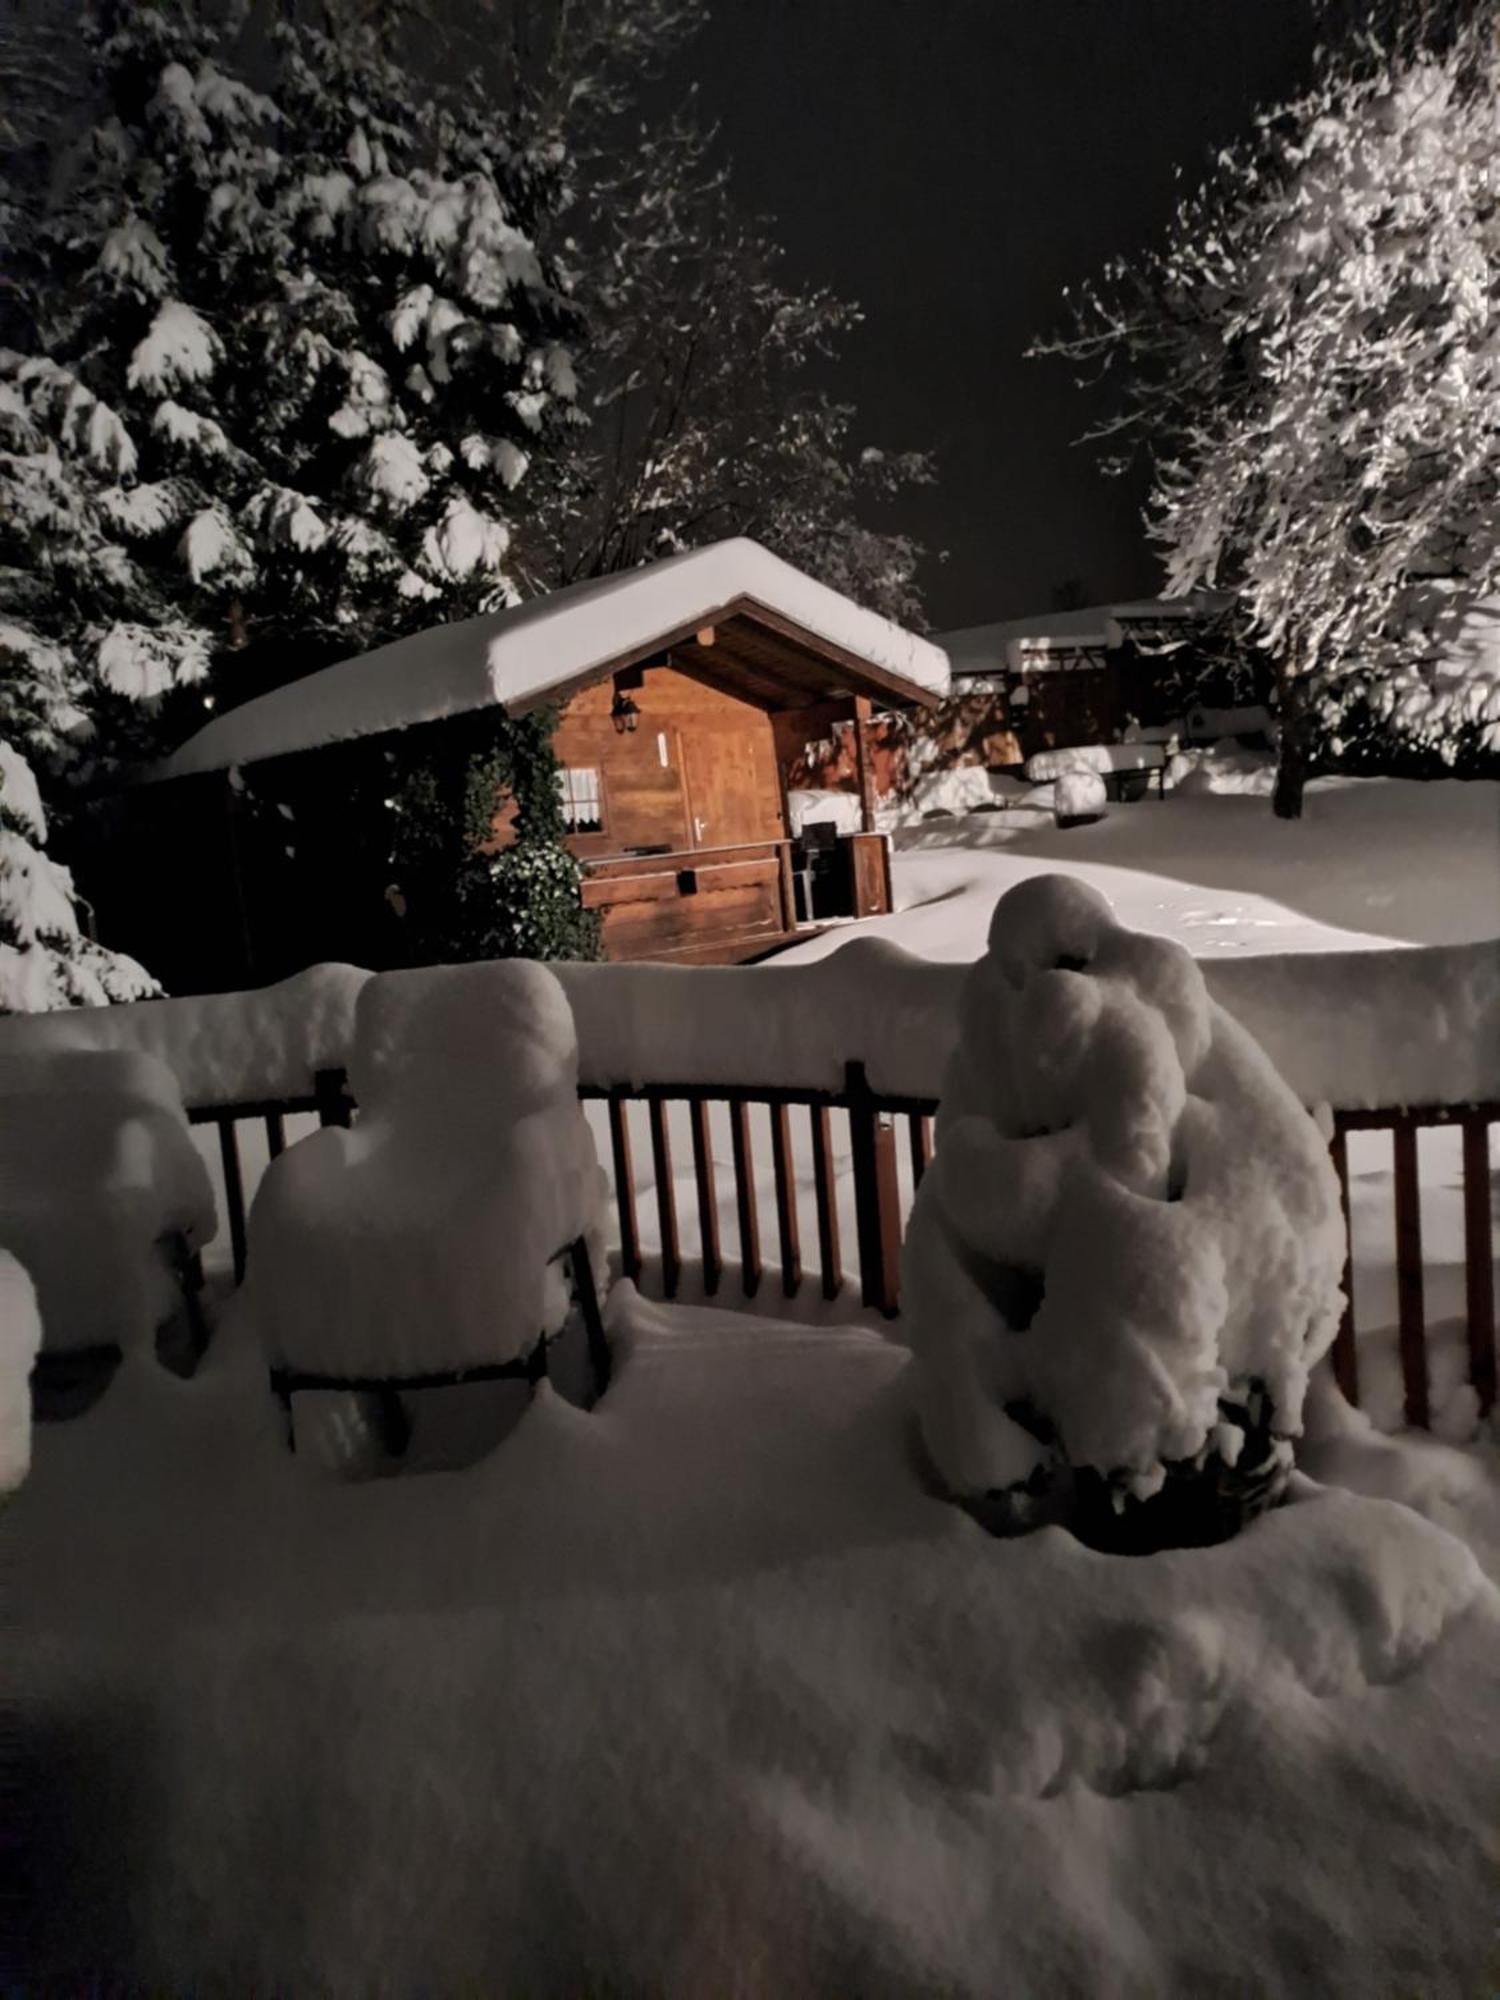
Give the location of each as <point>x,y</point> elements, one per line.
<point>708,1206</point>
<point>275,1134</point>
<point>1345,1359</point>
<point>1411,1310</point>
<point>786,1200</point>
<point>826,1196</point>
<point>744,1197</point>
<point>234,1191</point>
<point>630,1234</point>
<point>919,1129</point>
<point>877,1209</point>
<point>1479,1266</point>
<point>666,1197</point>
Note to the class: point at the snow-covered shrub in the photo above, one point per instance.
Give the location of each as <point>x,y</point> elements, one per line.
<point>20,1340</point>
<point>1221,769</point>
<point>1078,795</point>
<point>425,1239</point>
<point>97,1169</point>
<point>1126,1256</point>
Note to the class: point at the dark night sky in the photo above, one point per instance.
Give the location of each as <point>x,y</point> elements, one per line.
<point>952,164</point>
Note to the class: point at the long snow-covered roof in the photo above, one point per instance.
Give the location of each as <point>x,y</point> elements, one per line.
<point>1002,648</point>
<point>518,657</point>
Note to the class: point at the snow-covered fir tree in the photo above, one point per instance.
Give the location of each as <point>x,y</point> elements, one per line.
<point>47,960</point>
<point>1311,360</point>
<point>281,358</point>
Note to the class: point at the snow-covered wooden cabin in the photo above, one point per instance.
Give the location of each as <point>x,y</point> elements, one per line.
<point>681,684</point>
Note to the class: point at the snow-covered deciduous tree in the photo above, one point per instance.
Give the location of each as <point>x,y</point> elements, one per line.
<point>706,421</point>
<point>703,355</point>
<point>1312,360</point>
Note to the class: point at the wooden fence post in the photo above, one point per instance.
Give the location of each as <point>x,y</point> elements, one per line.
<point>1410,1307</point>
<point>877,1197</point>
<point>1479,1266</point>
<point>331,1093</point>
<point>1345,1357</point>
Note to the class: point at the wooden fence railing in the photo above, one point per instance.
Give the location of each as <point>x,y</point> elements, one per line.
<point>878,1218</point>
<point>877,1125</point>
<point>1404,1124</point>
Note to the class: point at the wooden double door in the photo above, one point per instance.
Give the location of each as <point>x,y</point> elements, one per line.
<point>681,788</point>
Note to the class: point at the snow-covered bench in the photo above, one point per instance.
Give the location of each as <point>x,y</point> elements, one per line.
<point>1108,761</point>
<point>443,1236</point>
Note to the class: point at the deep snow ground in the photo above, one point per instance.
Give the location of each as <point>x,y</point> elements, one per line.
<point>1372,861</point>
<point>705,1693</point>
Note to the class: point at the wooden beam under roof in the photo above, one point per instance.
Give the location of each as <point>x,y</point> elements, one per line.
<point>804,667</point>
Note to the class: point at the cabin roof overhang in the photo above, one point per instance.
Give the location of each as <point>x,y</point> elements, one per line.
<point>732,615</point>
<point>753,652</point>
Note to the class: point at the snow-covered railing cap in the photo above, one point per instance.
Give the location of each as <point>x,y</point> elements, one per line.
<point>555,645</point>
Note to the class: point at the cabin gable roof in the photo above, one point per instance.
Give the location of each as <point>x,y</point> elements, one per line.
<point>732,614</point>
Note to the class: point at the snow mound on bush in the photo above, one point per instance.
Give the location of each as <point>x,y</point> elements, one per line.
<point>97,1167</point>
<point>426,1238</point>
<point>1128,1219</point>
<point>20,1342</point>
<point>1078,795</point>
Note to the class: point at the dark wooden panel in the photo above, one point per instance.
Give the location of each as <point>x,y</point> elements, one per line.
<point>826,1197</point>
<point>1479,1259</point>
<point>630,1235</point>
<point>1410,1306</point>
<point>234,1191</point>
<point>708,1207</point>
<point>1345,1358</point>
<point>666,1197</point>
<point>877,1200</point>
<point>744,1197</point>
<point>786,1200</point>
<point>872,874</point>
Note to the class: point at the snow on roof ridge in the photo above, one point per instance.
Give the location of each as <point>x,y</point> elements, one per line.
<point>1089,625</point>
<point>520,654</point>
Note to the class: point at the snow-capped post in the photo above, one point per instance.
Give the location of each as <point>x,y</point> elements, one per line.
<point>1125,1259</point>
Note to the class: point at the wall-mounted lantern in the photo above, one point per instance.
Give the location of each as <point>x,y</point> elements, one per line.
<point>624,714</point>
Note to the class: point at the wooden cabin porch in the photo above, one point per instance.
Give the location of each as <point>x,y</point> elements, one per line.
<point>674,790</point>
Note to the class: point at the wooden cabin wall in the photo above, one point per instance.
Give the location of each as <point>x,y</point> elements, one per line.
<point>699,770</point>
